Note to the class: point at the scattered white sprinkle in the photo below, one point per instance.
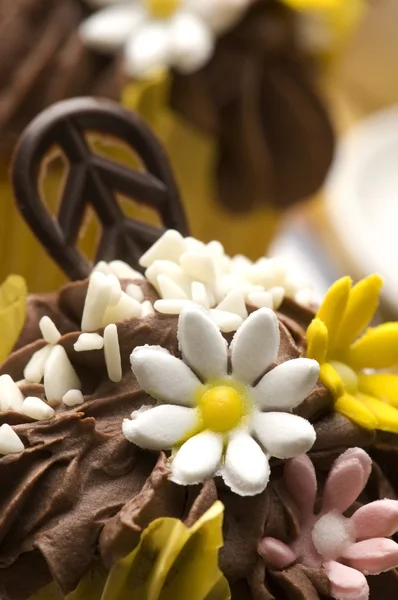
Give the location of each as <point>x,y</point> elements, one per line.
<point>59,376</point>
<point>88,341</point>
<point>304,296</point>
<point>225,321</point>
<point>215,249</point>
<point>261,299</point>
<point>170,269</point>
<point>37,409</point>
<point>234,302</point>
<point>116,289</point>
<point>169,246</point>
<point>199,266</point>
<point>169,290</point>
<point>10,443</point>
<point>199,294</point>
<point>278,294</point>
<point>194,244</point>
<point>49,330</point>
<point>101,267</point>
<point>73,398</point>
<point>171,307</point>
<point>11,397</point>
<point>34,370</point>
<point>135,291</point>
<point>147,309</point>
<point>98,298</point>
<point>112,353</point>
<point>123,271</point>
<point>126,308</point>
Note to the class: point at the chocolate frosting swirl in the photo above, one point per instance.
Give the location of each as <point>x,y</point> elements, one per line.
<point>80,494</point>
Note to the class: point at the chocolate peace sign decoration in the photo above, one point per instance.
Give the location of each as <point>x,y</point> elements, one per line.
<point>94,180</point>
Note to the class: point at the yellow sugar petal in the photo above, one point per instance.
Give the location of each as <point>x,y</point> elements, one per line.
<point>361,307</point>
<point>13,294</point>
<point>381,385</point>
<point>317,340</point>
<point>376,349</point>
<point>334,305</point>
<point>387,415</point>
<point>332,380</point>
<point>355,410</point>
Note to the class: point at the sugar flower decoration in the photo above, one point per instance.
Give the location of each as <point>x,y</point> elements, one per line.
<point>354,357</point>
<point>347,548</point>
<point>218,422</point>
<point>160,34</point>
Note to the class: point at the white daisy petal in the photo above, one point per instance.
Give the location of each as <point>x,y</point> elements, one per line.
<point>283,435</point>
<point>220,15</point>
<point>246,470</point>
<point>164,376</point>
<point>255,345</point>
<point>201,343</point>
<point>286,386</point>
<point>109,29</point>
<point>191,42</point>
<point>147,50</point>
<point>161,427</point>
<point>197,459</point>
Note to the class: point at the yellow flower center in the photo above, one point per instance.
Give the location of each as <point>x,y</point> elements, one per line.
<point>222,407</point>
<point>162,9</point>
<point>348,376</point>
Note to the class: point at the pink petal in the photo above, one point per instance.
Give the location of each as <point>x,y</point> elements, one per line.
<point>275,553</point>
<point>372,557</point>
<point>377,519</point>
<point>346,583</point>
<point>300,481</point>
<point>346,480</point>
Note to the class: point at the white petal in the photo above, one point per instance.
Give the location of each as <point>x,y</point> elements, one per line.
<point>191,43</point>
<point>11,397</point>
<point>164,376</point>
<point>34,370</point>
<point>286,386</point>
<point>255,345</point>
<point>49,330</point>
<point>234,302</point>
<point>201,344</point>
<point>37,409</point>
<point>169,290</point>
<point>197,459</point>
<point>59,376</point>
<point>109,29</point>
<point>246,470</point>
<point>135,291</point>
<point>9,441</point>
<point>283,435</point>
<point>220,15</point>
<point>161,427</point>
<point>147,52</point>
<point>169,246</point>
<point>113,359</point>
<point>226,322</point>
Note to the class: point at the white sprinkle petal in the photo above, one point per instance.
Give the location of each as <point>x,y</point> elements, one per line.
<point>168,247</point>
<point>191,42</point>
<point>10,443</point>
<point>169,290</point>
<point>123,271</point>
<point>147,309</point>
<point>199,294</point>
<point>89,341</point>
<point>73,398</point>
<point>112,353</point>
<point>161,427</point>
<point>255,346</point>
<point>98,298</point>
<point>49,330</point>
<point>283,435</point>
<point>202,346</point>
<point>199,266</point>
<point>287,385</point>
<point>11,397</point>
<point>59,376</point>
<point>198,459</point>
<point>164,376</point>
<point>225,321</point>
<point>108,30</point>
<point>171,307</point>
<point>234,302</point>
<point>261,299</point>
<point>171,270</point>
<point>220,15</point>
<point>37,409</point>
<point>135,291</point>
<point>126,308</point>
<point>34,370</point>
<point>246,470</point>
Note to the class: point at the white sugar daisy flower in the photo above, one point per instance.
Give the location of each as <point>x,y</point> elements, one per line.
<point>218,422</point>
<point>158,34</point>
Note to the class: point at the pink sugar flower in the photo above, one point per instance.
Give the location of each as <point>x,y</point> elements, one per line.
<point>347,548</point>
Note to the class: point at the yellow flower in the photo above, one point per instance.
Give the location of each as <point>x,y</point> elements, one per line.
<point>354,357</point>
<point>13,294</point>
